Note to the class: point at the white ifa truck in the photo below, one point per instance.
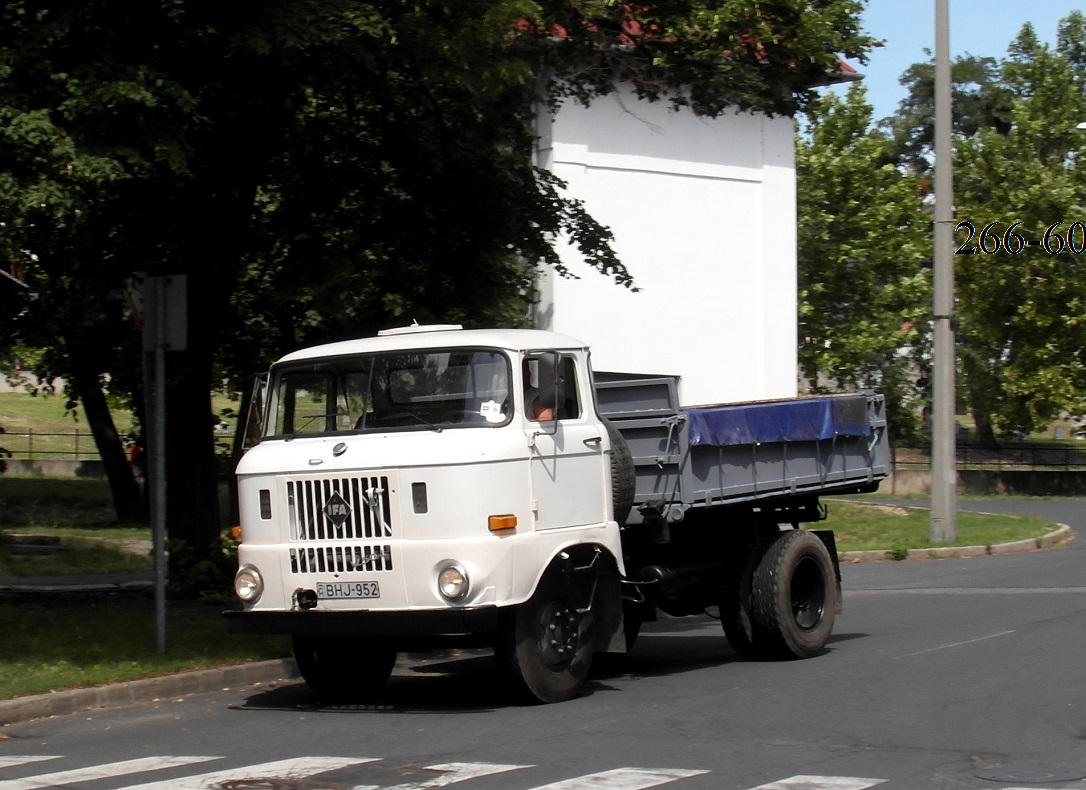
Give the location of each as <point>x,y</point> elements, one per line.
<point>436,487</point>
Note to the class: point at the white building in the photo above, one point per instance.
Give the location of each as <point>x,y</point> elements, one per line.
<point>704,217</point>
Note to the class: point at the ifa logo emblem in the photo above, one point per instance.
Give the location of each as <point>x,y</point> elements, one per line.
<point>336,509</point>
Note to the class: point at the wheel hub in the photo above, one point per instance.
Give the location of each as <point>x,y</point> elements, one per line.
<point>808,594</point>
<point>559,628</point>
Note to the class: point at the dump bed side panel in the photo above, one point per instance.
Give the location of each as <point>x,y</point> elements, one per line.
<point>716,455</point>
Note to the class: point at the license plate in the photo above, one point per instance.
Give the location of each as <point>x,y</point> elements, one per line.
<point>341,590</point>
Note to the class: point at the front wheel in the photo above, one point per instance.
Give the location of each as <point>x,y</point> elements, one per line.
<point>546,645</point>
<point>795,595</point>
<point>343,668</point>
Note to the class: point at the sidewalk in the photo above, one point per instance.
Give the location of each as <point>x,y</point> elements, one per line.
<point>105,582</point>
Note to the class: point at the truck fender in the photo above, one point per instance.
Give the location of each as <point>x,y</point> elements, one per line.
<point>591,572</point>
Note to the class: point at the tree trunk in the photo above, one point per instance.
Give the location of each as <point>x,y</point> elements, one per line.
<point>127,501</point>
<point>192,495</point>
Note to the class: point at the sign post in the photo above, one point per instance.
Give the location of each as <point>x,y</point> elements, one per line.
<point>164,329</point>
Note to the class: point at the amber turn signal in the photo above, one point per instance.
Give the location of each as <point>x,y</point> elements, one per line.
<point>498,523</point>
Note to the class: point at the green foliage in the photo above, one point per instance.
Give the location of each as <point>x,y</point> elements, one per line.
<point>865,239</point>
<point>324,169</point>
<point>864,246</point>
<point>204,575</point>
<point>979,100</point>
<point>1022,314</point>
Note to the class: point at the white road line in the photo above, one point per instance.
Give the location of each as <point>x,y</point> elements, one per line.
<point>954,644</point>
<point>96,772</point>
<point>16,759</point>
<point>821,783</point>
<point>622,779</point>
<point>451,774</point>
<point>296,768</point>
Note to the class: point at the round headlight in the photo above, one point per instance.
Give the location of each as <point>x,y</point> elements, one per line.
<point>452,581</point>
<point>248,584</point>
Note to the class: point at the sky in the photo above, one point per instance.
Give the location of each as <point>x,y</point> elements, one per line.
<point>977,27</point>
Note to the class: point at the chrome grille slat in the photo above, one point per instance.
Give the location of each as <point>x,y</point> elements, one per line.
<point>341,559</point>
<point>367,517</point>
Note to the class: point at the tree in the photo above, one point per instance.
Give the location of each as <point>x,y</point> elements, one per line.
<point>864,258</point>
<point>324,168</point>
<point>979,100</point>
<point>1021,310</point>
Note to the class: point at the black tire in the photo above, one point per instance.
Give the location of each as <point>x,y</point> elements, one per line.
<point>633,615</point>
<point>545,646</point>
<point>795,595</point>
<point>623,481</point>
<point>737,606</point>
<point>343,668</point>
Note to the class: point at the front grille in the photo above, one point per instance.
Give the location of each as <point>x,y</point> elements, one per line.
<point>337,513</point>
<point>316,512</point>
<point>340,559</point>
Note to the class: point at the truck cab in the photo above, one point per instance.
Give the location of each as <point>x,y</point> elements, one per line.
<point>432,486</point>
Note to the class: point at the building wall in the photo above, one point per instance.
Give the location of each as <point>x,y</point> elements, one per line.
<point>703,213</point>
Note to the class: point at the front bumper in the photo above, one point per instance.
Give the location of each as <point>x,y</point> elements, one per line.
<point>430,626</point>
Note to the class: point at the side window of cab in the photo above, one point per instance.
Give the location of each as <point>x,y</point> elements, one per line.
<point>550,387</point>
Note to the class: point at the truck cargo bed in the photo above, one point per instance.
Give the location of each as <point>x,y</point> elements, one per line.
<point>715,455</point>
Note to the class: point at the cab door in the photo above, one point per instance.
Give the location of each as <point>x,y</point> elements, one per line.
<point>570,472</point>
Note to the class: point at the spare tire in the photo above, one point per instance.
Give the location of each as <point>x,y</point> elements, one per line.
<point>623,480</point>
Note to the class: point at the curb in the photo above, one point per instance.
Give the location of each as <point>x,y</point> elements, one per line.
<point>61,703</point>
<point>1060,535</point>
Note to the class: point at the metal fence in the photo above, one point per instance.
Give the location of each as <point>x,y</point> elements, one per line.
<point>38,446</point>
<point>1024,456</point>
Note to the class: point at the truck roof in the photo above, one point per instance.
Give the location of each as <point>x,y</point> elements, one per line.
<point>440,336</point>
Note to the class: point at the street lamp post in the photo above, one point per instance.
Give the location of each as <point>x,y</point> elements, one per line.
<point>943,468</point>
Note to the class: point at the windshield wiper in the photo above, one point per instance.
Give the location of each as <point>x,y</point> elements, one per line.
<point>378,423</point>
<point>309,419</point>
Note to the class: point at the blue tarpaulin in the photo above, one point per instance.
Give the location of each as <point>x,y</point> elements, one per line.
<point>806,419</point>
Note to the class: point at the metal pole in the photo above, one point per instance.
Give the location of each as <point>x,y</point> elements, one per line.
<point>158,461</point>
<point>943,471</point>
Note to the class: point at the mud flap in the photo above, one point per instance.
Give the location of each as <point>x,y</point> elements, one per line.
<point>830,542</point>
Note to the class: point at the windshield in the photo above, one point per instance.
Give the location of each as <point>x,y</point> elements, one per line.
<point>405,390</point>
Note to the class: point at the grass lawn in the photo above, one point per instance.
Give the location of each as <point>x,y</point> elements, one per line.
<point>868,526</point>
<point>39,425</point>
<point>81,641</point>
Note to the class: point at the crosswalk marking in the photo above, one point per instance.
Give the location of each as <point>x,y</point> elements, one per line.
<point>14,759</point>
<point>444,775</point>
<point>451,773</point>
<point>622,779</point>
<point>821,783</point>
<point>95,772</point>
<point>295,768</point>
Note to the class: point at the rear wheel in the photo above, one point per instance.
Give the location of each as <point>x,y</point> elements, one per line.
<point>737,607</point>
<point>343,668</point>
<point>795,595</point>
<point>546,645</point>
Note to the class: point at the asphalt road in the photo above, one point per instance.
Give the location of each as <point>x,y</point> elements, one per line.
<point>941,675</point>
